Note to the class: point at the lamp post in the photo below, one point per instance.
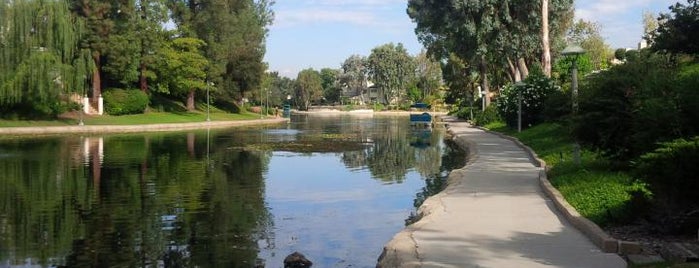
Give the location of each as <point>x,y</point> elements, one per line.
<point>575,51</point>
<point>519,86</point>
<point>482,93</point>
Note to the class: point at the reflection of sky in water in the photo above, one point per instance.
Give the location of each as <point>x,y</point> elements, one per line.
<point>335,216</point>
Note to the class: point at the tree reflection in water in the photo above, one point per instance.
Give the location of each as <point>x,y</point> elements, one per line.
<point>190,199</point>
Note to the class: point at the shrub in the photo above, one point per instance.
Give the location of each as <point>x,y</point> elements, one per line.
<point>627,110</point>
<point>534,92</point>
<point>671,171</point>
<point>378,107</point>
<point>488,116</point>
<point>120,101</point>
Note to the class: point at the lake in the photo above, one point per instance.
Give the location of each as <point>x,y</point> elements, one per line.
<point>335,188</point>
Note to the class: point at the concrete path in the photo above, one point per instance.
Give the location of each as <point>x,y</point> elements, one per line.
<point>493,214</point>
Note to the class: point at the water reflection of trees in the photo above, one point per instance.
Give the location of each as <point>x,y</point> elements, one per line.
<point>155,200</point>
<point>453,157</point>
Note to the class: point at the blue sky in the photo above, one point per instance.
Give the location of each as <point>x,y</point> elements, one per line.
<point>323,33</point>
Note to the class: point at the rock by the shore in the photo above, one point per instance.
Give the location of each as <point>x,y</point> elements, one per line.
<point>297,260</point>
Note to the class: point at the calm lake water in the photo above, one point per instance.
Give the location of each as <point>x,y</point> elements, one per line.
<point>333,188</point>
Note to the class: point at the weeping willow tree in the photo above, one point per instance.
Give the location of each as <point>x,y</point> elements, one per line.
<point>40,62</point>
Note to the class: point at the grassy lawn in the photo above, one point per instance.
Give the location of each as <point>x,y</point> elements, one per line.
<point>138,119</point>
<point>594,188</point>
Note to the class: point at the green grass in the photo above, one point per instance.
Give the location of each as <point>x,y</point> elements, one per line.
<point>593,187</point>
<point>137,119</point>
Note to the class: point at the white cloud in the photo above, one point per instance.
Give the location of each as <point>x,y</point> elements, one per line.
<point>359,13</point>
<point>290,18</point>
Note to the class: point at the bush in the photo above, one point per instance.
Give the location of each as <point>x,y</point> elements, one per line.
<point>534,92</point>
<point>378,107</point>
<point>671,171</point>
<point>488,116</point>
<point>120,101</point>
<point>627,110</point>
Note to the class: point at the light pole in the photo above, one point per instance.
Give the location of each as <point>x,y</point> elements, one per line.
<point>575,51</point>
<point>519,86</point>
<point>208,85</point>
<point>482,93</point>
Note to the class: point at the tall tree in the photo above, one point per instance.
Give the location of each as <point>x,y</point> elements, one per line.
<point>354,76</point>
<point>391,68</point>
<point>429,75</point>
<point>679,31</point>
<point>486,32</point>
<point>331,85</point>
<point>235,33</point>
<point>650,24</point>
<point>111,37</point>
<point>181,67</point>
<point>39,55</point>
<point>588,35</point>
<point>308,88</point>
<point>545,42</point>
<point>152,14</point>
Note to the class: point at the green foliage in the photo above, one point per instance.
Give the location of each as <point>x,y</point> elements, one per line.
<point>391,68</point>
<point>181,67</point>
<point>588,35</point>
<point>679,32</point>
<point>533,92</point>
<point>672,170</point>
<point>564,66</point>
<point>486,117</point>
<point>121,102</point>
<point>353,77</point>
<point>620,54</point>
<point>331,85</point>
<point>599,192</point>
<point>39,55</point>
<point>626,110</point>
<point>378,107</point>
<point>603,196</point>
<point>308,88</point>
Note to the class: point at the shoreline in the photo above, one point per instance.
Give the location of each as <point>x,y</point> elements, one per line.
<point>115,129</point>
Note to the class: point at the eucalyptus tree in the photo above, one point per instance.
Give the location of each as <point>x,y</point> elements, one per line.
<point>39,55</point>
<point>485,32</point>
<point>354,76</point>
<point>391,68</point>
<point>308,88</point>
<point>428,75</point>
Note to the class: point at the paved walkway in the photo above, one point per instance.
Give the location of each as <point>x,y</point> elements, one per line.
<point>493,214</point>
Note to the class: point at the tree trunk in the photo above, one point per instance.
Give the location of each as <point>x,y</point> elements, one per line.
<point>96,78</point>
<point>523,70</point>
<point>546,47</point>
<point>514,71</point>
<point>142,81</point>
<point>483,69</point>
<point>190,100</point>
